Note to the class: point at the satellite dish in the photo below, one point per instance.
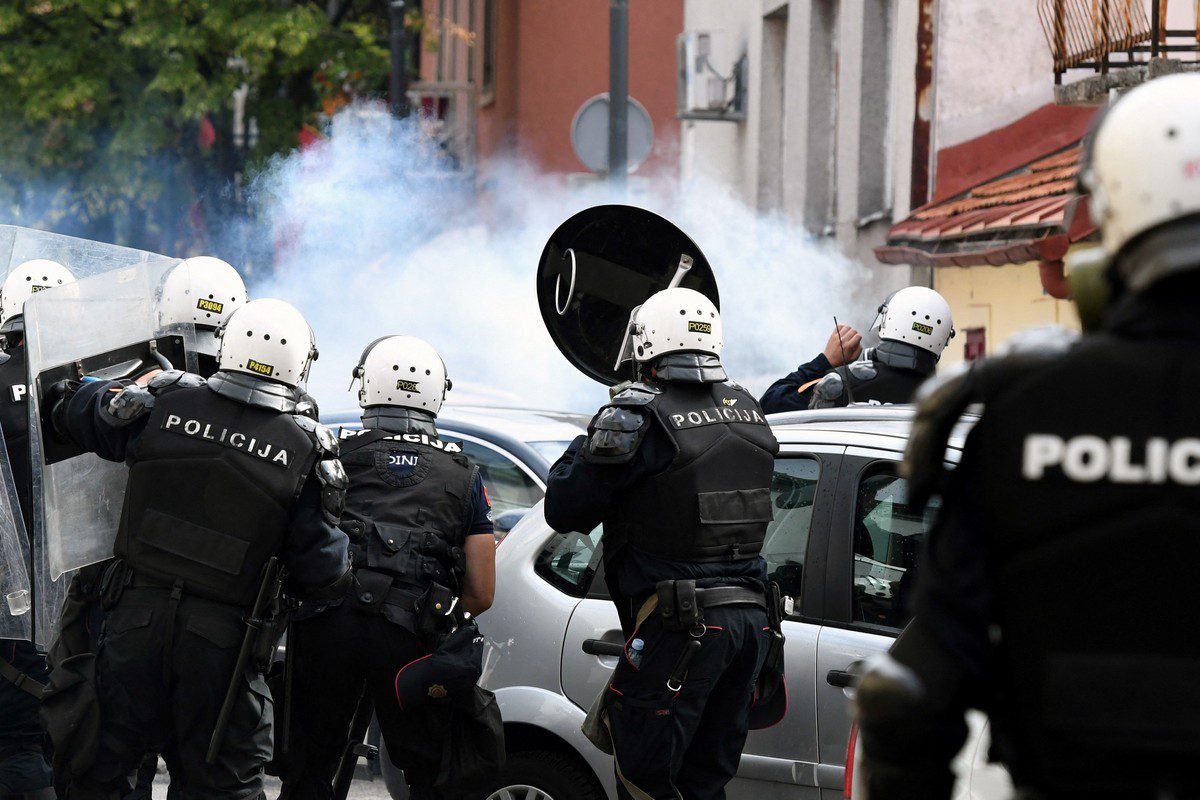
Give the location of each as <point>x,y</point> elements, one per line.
<point>589,133</point>
<point>600,265</point>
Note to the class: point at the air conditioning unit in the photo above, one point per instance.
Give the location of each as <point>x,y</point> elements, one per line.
<point>711,82</point>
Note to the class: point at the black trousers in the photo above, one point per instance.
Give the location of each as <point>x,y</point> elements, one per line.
<point>162,676</point>
<point>686,741</point>
<point>23,766</point>
<point>340,653</point>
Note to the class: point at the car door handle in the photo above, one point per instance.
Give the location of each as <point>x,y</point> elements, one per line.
<point>844,678</point>
<point>599,647</point>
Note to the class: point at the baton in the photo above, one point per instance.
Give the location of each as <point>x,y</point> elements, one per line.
<point>254,625</point>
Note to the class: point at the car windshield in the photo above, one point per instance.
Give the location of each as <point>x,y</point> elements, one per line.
<point>550,450</point>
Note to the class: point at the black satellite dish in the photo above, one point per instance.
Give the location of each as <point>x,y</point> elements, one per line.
<point>600,265</point>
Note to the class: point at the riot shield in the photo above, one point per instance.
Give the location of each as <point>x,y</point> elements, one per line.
<point>103,327</point>
<point>82,256</point>
<point>598,267</point>
<point>15,597</point>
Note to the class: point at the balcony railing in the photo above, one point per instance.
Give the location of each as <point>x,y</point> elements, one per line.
<point>1105,34</point>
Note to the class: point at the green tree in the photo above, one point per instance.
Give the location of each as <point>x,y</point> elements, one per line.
<point>117,116</point>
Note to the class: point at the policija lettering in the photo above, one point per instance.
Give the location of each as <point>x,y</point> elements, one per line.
<point>232,439</point>
<point>1087,459</point>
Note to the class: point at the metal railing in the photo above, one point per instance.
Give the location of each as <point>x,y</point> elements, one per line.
<point>1086,34</point>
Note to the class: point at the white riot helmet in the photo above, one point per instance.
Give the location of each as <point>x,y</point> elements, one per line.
<point>674,321</point>
<point>27,279</point>
<point>203,290</point>
<point>1142,167</point>
<point>267,339</point>
<point>916,316</point>
<point>402,371</point>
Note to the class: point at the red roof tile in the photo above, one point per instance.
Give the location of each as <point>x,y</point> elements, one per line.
<point>997,222</point>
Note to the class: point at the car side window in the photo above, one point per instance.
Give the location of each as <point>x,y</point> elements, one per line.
<point>508,486</point>
<point>793,495</point>
<point>569,561</point>
<point>889,537</point>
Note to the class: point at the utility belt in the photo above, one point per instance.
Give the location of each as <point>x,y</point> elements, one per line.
<point>681,604</point>
<point>426,612</point>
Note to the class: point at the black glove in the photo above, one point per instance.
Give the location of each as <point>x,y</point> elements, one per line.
<point>58,398</point>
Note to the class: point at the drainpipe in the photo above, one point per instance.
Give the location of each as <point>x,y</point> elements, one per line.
<point>1051,268</point>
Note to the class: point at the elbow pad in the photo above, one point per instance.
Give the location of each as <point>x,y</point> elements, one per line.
<point>128,405</point>
<point>334,483</point>
<point>828,391</point>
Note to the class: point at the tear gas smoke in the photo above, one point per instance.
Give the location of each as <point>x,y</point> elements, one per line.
<point>374,235</point>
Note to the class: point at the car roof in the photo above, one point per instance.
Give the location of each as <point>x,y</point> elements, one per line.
<point>889,425</point>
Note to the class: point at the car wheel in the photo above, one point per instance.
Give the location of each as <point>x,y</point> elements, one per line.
<point>543,775</point>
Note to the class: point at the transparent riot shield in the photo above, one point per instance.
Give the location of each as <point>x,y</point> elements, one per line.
<point>15,598</point>
<point>82,256</point>
<point>103,327</point>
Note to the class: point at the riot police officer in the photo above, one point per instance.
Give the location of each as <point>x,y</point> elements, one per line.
<point>914,326</point>
<point>421,542</point>
<point>23,768</point>
<point>678,469</point>
<point>224,478</point>
<point>203,291</point>
<point>1049,595</point>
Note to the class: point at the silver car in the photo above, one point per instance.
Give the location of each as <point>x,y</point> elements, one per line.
<point>844,549</point>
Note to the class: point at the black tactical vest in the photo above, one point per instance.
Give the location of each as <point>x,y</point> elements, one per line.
<point>14,417</point>
<point>1088,501</point>
<point>714,501</point>
<point>212,483</point>
<point>407,506</point>
<point>875,381</point>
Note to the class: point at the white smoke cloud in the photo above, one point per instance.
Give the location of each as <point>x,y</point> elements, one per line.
<point>373,236</point>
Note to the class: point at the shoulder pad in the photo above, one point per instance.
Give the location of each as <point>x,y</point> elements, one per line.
<point>326,439</point>
<point>174,379</point>
<point>736,386</point>
<point>828,391</point>
<point>636,394</point>
<point>615,434</point>
<point>863,370</point>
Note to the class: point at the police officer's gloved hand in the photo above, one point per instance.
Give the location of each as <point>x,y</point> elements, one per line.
<point>57,398</point>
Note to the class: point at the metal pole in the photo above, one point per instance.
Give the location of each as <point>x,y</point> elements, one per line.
<point>1155,27</point>
<point>618,91</point>
<point>398,85</point>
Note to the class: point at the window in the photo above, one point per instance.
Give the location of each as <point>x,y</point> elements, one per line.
<point>509,487</point>
<point>888,538</point>
<point>490,32</point>
<point>570,560</point>
<point>793,493</point>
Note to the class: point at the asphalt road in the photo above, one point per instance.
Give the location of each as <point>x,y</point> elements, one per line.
<point>361,789</point>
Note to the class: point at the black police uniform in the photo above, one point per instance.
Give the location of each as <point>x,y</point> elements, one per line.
<point>793,391</point>
<point>222,477</point>
<point>887,374</point>
<point>413,501</point>
<point>679,472</point>
<point>23,766</point>
<point>1052,593</point>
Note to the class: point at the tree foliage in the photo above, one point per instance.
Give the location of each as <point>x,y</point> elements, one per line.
<point>119,115</point>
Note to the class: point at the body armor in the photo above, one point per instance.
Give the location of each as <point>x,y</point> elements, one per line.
<point>1091,485</point>
<point>890,373</point>
<point>211,489</point>
<point>713,503</point>
<point>14,418</point>
<point>406,508</point>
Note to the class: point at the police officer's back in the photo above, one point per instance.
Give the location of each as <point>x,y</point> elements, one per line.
<point>678,469</point>
<point>23,769</point>
<point>422,544</point>
<point>223,477</point>
<point>914,327</point>
<point>1050,593</point>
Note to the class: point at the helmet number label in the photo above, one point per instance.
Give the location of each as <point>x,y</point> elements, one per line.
<point>259,367</point>
<point>212,306</point>
<point>921,327</point>
<point>36,288</point>
<point>699,327</point>
<point>408,386</point>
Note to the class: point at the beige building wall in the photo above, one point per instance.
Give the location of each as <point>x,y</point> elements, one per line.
<point>1001,300</point>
